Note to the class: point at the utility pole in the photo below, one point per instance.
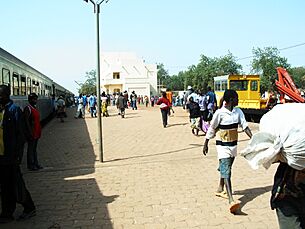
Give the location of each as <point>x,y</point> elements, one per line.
<point>98,79</point>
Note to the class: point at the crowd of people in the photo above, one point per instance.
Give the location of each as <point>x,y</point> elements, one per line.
<point>121,100</point>
<point>220,121</point>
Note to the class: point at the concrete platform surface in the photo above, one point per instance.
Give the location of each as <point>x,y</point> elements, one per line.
<point>152,177</point>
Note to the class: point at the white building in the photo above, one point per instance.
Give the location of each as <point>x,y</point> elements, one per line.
<point>122,71</point>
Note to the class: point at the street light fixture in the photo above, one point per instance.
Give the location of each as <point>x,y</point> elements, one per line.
<point>98,78</point>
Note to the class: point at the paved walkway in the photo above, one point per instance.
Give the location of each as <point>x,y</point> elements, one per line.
<point>152,177</point>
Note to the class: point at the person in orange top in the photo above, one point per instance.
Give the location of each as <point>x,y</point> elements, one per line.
<point>169,96</point>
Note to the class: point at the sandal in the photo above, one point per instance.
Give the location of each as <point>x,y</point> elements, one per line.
<point>234,207</point>
<point>222,194</point>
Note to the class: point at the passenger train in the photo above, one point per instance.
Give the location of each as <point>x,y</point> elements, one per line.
<point>24,79</point>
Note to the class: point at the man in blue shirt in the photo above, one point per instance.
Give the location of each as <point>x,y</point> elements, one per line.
<point>92,105</point>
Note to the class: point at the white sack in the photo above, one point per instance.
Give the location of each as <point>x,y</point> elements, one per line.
<point>281,135</point>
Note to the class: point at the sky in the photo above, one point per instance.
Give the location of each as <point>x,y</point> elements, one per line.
<point>58,37</point>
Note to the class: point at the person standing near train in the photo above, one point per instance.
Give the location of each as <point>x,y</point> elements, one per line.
<point>33,131</point>
<point>80,107</point>
<point>61,108</point>
<point>11,151</point>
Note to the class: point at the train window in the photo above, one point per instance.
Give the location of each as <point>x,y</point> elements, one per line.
<point>48,88</point>
<point>6,79</point>
<point>239,85</point>
<point>223,85</point>
<point>15,84</point>
<point>35,87</point>
<point>254,86</point>
<point>29,86</point>
<point>217,86</point>
<point>22,85</point>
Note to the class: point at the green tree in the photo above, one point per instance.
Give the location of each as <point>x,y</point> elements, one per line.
<point>264,63</point>
<point>175,82</point>
<point>209,67</point>
<point>162,75</point>
<point>298,75</point>
<point>189,76</point>
<point>201,75</point>
<point>89,86</point>
<point>226,65</point>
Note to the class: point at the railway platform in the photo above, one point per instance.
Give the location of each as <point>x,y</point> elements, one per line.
<point>152,177</point>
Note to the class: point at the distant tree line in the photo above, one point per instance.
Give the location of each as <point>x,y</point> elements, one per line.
<point>264,63</point>
<point>200,76</point>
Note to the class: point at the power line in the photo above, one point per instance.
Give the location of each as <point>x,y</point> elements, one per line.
<point>289,47</point>
<point>248,57</point>
<point>293,46</point>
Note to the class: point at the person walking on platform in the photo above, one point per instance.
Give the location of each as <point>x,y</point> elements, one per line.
<point>121,104</point>
<point>33,132</point>
<point>226,121</point>
<point>194,110</point>
<point>104,105</point>
<point>212,101</point>
<point>169,96</point>
<point>92,105</point>
<point>61,106</point>
<point>13,189</point>
<point>133,99</point>
<point>125,94</point>
<point>203,102</point>
<point>189,91</point>
<point>164,107</point>
<point>152,101</point>
<point>80,107</point>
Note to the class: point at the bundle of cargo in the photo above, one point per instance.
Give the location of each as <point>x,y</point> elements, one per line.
<point>281,137</point>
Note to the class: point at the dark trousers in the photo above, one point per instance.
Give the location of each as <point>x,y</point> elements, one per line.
<point>134,105</point>
<point>13,191</point>
<point>93,111</point>
<point>32,160</point>
<point>164,113</point>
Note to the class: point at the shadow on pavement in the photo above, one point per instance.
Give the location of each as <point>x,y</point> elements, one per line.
<point>250,194</point>
<point>127,116</point>
<point>65,192</point>
<point>177,124</point>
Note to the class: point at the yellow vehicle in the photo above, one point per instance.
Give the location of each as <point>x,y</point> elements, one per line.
<point>248,89</point>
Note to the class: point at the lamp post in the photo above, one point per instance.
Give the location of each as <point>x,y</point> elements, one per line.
<point>98,78</point>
